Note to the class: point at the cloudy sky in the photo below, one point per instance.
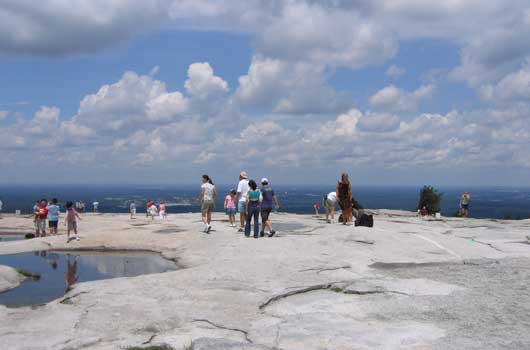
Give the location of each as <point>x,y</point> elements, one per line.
<point>392,91</point>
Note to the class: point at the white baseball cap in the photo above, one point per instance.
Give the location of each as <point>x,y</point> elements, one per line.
<point>265,180</point>
<point>243,174</point>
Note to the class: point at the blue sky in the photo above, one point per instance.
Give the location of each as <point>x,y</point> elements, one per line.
<point>392,92</point>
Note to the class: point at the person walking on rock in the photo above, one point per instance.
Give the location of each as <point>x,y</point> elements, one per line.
<point>132,209</point>
<point>268,196</point>
<point>253,201</point>
<point>70,221</point>
<point>230,207</point>
<point>464,204</point>
<point>41,215</point>
<point>344,194</point>
<point>330,203</point>
<point>242,189</point>
<point>207,198</point>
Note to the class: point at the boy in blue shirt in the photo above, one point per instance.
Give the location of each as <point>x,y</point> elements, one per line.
<point>53,216</point>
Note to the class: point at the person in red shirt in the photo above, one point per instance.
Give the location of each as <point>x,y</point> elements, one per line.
<point>149,204</point>
<point>41,214</point>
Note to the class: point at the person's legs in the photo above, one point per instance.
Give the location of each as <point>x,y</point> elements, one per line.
<point>241,207</point>
<point>209,216</point>
<point>75,230</point>
<point>248,218</point>
<point>255,214</point>
<point>264,218</point>
<point>265,221</point>
<point>42,225</point>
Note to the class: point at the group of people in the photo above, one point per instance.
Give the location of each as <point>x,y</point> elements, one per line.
<point>248,200</point>
<point>152,210</point>
<point>344,198</point>
<point>46,213</point>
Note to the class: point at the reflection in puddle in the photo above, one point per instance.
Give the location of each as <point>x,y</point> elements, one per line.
<point>59,271</point>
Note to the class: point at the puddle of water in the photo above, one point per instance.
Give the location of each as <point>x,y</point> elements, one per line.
<point>59,271</point>
<point>7,238</point>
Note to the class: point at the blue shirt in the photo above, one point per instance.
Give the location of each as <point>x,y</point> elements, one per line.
<point>53,212</point>
<point>267,194</point>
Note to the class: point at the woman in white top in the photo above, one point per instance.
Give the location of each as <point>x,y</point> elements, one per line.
<point>207,197</point>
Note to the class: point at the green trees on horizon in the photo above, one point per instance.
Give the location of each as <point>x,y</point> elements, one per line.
<point>431,199</point>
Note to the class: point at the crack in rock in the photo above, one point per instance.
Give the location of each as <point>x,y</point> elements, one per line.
<point>360,241</point>
<point>295,292</point>
<point>149,340</point>
<point>68,300</point>
<point>245,333</point>
<point>322,269</point>
<point>338,287</point>
<point>488,244</point>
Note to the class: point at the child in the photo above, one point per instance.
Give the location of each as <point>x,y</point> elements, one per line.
<point>230,207</point>
<point>162,210</point>
<point>71,220</point>
<point>53,216</point>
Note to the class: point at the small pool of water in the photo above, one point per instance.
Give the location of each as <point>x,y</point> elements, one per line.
<point>59,271</point>
<point>7,238</point>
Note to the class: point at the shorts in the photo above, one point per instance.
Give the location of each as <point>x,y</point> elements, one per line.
<point>265,212</point>
<point>330,206</point>
<point>230,211</point>
<point>133,211</point>
<point>207,206</point>
<point>465,206</point>
<point>72,226</point>
<point>242,207</point>
<point>53,224</point>
<point>40,224</point>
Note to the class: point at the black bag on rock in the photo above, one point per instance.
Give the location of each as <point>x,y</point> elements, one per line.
<point>365,220</point>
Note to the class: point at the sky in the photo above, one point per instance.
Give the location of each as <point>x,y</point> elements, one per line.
<point>394,92</point>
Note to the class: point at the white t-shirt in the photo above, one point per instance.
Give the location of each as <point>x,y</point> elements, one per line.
<point>242,187</point>
<point>208,191</point>
<point>332,196</point>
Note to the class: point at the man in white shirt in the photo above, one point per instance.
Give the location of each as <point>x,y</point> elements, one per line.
<point>242,189</point>
<point>330,202</point>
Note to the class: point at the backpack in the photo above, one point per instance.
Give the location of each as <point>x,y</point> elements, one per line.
<point>365,220</point>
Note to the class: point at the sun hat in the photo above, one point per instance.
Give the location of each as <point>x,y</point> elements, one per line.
<point>264,180</point>
<point>243,174</point>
